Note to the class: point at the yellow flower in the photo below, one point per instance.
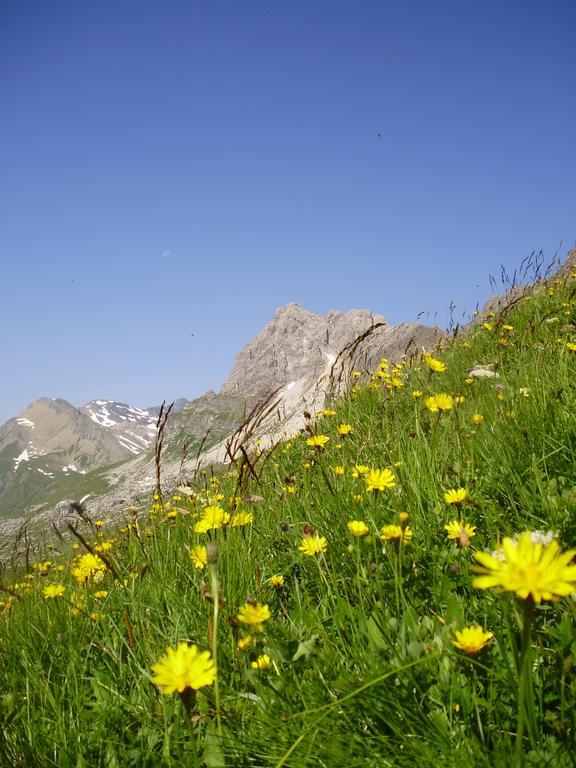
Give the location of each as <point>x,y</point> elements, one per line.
<point>87,566</point>
<point>455,495</point>
<point>360,470</point>
<point>199,556</point>
<point>104,546</point>
<point>313,545</point>
<point>344,429</point>
<point>357,528</point>
<point>262,662</point>
<point>395,533</point>
<point>328,412</point>
<point>356,374</point>
<point>472,640</point>
<point>431,404</point>
<point>339,471</point>
<point>53,591</point>
<point>487,326</point>
<point>276,581</point>
<point>571,346</point>
<point>380,479</point>
<point>43,566</point>
<point>437,366</point>
<point>529,567</point>
<point>317,441</point>
<point>182,668</point>
<point>416,393</point>
<point>241,518</point>
<point>460,532</point>
<point>101,594</point>
<point>444,402</point>
<point>477,419</point>
<point>244,642</point>
<point>254,614</point>
<point>213,517</point>
<point>507,328</point>
<point>469,380</point>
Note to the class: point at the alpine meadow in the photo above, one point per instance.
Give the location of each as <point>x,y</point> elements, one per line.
<point>393,585</point>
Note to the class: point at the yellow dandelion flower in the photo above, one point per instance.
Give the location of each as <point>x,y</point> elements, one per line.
<point>437,366</point>
<point>88,566</point>
<point>396,533</point>
<point>276,581</point>
<point>416,393</point>
<point>344,429</point>
<point>184,667</point>
<point>360,470</point>
<point>444,402</point>
<point>199,556</point>
<point>244,642</point>
<point>104,546</point>
<point>43,566</point>
<point>571,346</point>
<point>488,326</point>
<point>339,471</point>
<point>101,594</point>
<point>317,441</point>
<point>469,380</point>
<point>213,517</point>
<point>254,614</point>
<point>460,532</point>
<point>455,495</point>
<point>53,591</point>
<point>241,518</point>
<point>477,419</point>
<point>328,412</point>
<point>357,528</point>
<point>529,567</point>
<point>431,405</point>
<point>380,479</point>
<point>262,662</point>
<point>313,545</point>
<point>472,640</point>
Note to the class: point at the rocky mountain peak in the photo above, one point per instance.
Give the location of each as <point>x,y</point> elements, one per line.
<point>295,343</point>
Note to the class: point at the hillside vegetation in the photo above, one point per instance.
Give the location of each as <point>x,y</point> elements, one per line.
<point>332,580</point>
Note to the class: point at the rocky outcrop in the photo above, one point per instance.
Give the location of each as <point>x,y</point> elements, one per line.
<point>297,343</point>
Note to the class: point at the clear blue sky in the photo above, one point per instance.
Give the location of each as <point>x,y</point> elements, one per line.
<point>184,167</point>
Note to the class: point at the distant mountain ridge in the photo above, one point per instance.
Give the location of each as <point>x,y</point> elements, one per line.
<point>53,450</point>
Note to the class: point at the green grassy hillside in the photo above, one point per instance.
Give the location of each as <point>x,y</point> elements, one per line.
<point>351,628</point>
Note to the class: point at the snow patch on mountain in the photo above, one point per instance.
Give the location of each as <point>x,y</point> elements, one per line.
<point>73,468</point>
<point>26,423</point>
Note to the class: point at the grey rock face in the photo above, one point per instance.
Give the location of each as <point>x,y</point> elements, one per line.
<point>295,343</point>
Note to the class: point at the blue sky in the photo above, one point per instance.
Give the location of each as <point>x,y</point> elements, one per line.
<point>185,167</point>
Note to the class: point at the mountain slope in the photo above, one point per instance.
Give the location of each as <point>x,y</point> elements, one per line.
<point>48,442</point>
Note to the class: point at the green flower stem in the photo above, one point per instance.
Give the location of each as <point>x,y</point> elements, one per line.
<point>525,679</point>
<point>215,615</point>
<point>476,708</point>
